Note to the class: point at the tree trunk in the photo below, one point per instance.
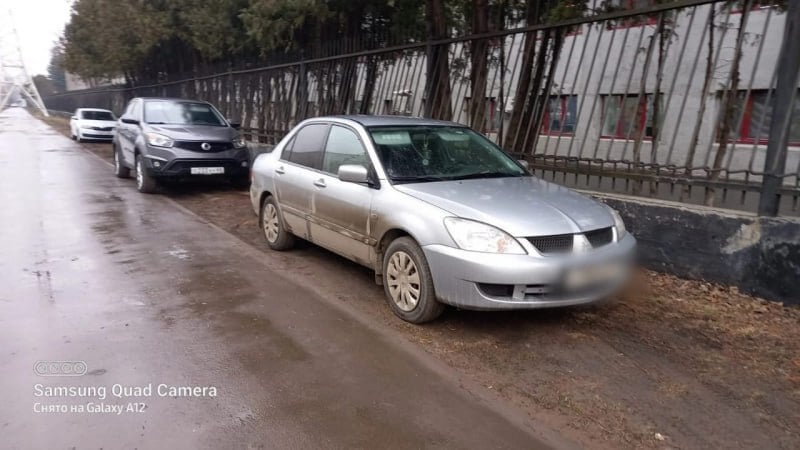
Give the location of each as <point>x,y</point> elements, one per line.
<point>515,134</point>
<point>729,105</point>
<point>479,70</point>
<point>369,84</point>
<point>663,33</point>
<point>438,103</point>
<point>642,97</point>
<point>544,95</point>
<point>701,111</point>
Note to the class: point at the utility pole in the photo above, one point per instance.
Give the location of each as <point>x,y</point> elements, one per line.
<point>14,77</point>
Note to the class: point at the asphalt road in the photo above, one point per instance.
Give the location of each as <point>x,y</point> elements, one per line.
<point>147,294</point>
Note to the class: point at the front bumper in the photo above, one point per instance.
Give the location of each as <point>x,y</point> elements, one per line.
<point>484,281</point>
<point>178,163</point>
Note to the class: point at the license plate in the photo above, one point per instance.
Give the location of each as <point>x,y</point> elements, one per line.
<point>593,275</point>
<point>207,170</point>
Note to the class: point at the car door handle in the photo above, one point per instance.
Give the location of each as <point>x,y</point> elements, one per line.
<point>280,171</point>
<point>320,183</point>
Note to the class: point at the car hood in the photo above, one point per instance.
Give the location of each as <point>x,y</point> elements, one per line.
<point>194,132</point>
<point>521,206</point>
<point>98,123</point>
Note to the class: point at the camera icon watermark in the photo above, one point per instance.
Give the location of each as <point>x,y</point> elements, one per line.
<point>59,368</point>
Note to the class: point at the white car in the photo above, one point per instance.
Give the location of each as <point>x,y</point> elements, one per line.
<point>90,124</point>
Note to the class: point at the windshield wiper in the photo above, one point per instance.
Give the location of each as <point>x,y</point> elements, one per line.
<point>415,179</point>
<point>487,174</point>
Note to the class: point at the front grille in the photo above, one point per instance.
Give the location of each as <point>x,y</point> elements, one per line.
<point>103,128</point>
<point>196,146</point>
<point>560,243</point>
<point>601,237</point>
<point>187,164</point>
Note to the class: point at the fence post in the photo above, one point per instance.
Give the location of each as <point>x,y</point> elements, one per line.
<point>783,106</point>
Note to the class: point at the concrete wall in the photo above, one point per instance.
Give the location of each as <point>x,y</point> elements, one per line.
<point>759,255</point>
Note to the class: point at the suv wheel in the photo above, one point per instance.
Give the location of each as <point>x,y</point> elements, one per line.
<point>408,283</point>
<point>144,182</point>
<point>278,238</point>
<point>241,182</point>
<point>119,169</point>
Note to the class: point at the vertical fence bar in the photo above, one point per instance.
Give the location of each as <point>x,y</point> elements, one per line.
<point>785,94</point>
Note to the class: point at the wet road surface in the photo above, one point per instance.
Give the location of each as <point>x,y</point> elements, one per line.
<point>147,294</point>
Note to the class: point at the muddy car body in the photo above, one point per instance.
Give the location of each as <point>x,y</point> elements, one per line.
<point>441,214</point>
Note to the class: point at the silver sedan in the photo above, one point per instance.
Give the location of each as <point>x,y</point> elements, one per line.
<point>441,214</point>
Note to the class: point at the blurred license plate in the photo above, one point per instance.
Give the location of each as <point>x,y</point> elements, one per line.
<point>207,170</point>
<point>593,275</point>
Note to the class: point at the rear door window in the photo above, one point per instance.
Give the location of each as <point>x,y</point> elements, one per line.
<point>308,144</point>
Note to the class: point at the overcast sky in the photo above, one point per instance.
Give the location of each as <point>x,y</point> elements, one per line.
<point>39,23</point>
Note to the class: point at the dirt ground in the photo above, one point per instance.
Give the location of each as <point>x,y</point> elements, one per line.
<point>671,363</point>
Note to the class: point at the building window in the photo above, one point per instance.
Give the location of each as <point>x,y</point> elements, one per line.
<point>757,116</point>
<point>561,115</point>
<point>627,116</point>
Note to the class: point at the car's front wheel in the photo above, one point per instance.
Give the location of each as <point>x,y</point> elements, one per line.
<point>408,283</point>
<point>119,168</point>
<point>144,182</point>
<point>241,181</point>
<point>275,232</point>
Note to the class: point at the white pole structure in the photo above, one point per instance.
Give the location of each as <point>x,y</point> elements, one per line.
<point>14,77</point>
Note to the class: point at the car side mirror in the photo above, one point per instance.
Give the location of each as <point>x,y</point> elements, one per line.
<point>353,173</point>
<point>235,125</point>
<point>524,164</point>
<point>74,118</point>
<point>129,121</point>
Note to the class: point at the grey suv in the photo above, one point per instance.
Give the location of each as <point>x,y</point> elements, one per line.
<point>163,138</point>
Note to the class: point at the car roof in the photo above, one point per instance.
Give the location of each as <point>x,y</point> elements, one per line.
<point>377,121</point>
<point>94,109</point>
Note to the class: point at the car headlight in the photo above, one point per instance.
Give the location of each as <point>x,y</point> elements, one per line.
<point>479,237</point>
<point>158,140</point>
<point>239,142</point>
<point>618,223</point>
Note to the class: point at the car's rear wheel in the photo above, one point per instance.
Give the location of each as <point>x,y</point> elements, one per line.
<point>408,283</point>
<point>278,238</point>
<point>119,168</point>
<point>144,182</point>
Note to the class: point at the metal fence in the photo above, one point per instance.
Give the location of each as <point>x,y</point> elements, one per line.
<point>692,101</point>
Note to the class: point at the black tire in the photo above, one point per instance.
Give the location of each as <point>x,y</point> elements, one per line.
<point>241,182</point>
<point>278,238</point>
<point>426,308</point>
<point>119,169</point>
<point>144,182</point>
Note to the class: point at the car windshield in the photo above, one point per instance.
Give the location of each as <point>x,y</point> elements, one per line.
<point>418,154</point>
<point>97,115</point>
<point>181,113</point>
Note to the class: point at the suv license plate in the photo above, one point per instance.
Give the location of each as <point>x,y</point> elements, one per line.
<point>207,170</point>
